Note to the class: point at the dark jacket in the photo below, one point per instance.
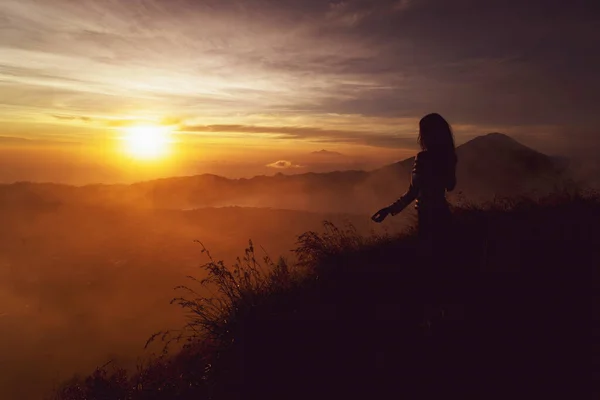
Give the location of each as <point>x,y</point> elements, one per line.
<point>432,176</point>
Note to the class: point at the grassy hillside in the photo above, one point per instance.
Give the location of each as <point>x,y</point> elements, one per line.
<point>507,315</point>
<point>71,279</point>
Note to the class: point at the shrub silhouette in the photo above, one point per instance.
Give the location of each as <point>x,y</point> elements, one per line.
<point>357,317</point>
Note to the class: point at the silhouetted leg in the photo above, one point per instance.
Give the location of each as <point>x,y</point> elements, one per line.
<point>426,260</point>
<point>437,263</point>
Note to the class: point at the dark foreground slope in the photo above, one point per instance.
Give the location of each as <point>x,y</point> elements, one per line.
<point>508,315</point>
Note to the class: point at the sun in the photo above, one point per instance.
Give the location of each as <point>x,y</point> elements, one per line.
<point>147,141</point>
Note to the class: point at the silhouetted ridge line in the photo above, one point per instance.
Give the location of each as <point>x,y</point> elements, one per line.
<point>488,166</point>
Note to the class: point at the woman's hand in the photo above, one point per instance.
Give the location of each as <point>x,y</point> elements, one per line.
<point>380,215</point>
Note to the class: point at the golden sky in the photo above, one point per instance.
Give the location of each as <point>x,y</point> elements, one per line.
<point>244,84</point>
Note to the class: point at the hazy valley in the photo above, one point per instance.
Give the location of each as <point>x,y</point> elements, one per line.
<point>87,272</point>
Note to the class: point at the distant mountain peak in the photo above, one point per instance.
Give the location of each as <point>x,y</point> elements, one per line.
<point>327,153</point>
<point>497,141</point>
<point>493,148</point>
<point>495,136</point>
<point>498,136</point>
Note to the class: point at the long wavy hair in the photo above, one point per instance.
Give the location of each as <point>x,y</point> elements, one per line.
<point>435,136</point>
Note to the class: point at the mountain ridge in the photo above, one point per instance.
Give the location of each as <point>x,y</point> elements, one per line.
<point>489,165</point>
<point>406,162</point>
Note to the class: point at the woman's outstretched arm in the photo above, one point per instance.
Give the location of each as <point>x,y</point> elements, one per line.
<point>413,190</point>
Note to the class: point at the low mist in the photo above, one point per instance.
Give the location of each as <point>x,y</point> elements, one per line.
<point>82,285</point>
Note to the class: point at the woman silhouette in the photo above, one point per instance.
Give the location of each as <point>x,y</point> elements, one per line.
<point>434,173</point>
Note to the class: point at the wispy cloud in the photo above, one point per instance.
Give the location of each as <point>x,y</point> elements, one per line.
<point>20,141</point>
<point>72,118</point>
<point>234,60</point>
<point>327,153</point>
<point>312,134</point>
